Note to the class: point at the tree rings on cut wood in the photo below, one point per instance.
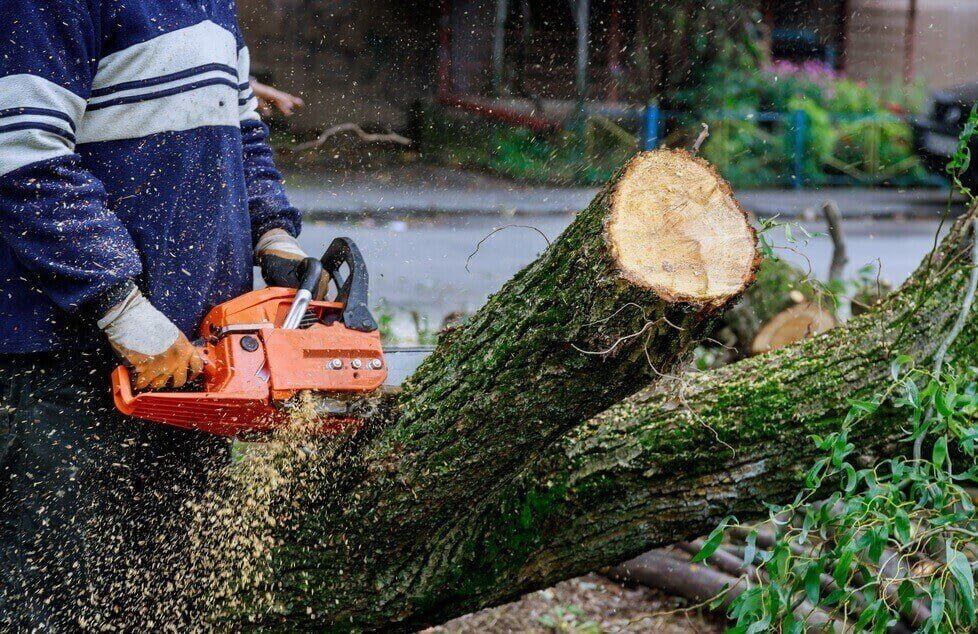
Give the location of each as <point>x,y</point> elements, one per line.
<point>795,323</point>
<point>676,229</point>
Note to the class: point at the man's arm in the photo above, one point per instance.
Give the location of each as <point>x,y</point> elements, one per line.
<point>53,212</point>
<point>275,223</point>
<point>270,98</point>
<point>267,202</point>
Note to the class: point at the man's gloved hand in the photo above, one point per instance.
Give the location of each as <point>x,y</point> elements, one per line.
<point>152,344</point>
<point>280,256</point>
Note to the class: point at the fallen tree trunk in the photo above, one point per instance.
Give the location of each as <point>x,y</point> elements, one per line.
<point>665,465</point>
<point>672,461</point>
<point>468,503</point>
<point>619,299</point>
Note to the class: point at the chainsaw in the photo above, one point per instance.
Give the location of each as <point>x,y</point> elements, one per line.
<point>264,348</point>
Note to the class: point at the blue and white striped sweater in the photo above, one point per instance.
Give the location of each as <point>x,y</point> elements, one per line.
<point>130,147</point>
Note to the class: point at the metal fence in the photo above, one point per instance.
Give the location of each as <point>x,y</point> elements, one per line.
<point>795,149</point>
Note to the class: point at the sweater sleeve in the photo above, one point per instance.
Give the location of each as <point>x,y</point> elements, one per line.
<point>53,213</point>
<point>267,203</point>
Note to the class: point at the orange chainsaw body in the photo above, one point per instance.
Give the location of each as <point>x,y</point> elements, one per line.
<point>254,365</point>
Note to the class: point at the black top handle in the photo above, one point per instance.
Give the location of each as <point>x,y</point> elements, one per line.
<point>312,270</point>
<point>352,291</point>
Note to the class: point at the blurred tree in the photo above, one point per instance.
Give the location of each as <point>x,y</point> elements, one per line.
<point>681,47</point>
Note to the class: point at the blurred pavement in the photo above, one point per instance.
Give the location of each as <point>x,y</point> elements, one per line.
<point>436,266</point>
<point>423,190</point>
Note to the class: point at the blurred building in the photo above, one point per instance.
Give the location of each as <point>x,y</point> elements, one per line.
<point>940,43</point>
<point>526,61</point>
<point>364,61</point>
<point>882,41</point>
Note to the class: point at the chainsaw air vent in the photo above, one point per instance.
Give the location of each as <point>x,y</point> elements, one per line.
<point>308,320</point>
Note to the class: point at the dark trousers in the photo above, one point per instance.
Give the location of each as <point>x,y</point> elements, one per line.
<point>95,507</point>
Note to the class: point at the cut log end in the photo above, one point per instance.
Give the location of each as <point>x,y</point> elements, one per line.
<point>798,322</point>
<point>676,229</point>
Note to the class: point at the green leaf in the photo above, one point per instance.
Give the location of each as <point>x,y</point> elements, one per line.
<point>866,407</point>
<point>964,579</point>
<point>906,593</point>
<point>877,541</point>
<point>936,606</point>
<point>851,479</point>
<point>842,566</point>
<point>712,542</point>
<point>901,523</point>
<point>867,616</point>
<point>896,367</point>
<point>759,626</point>
<point>813,580</point>
<point>940,452</point>
<point>795,628</point>
<point>750,549</point>
<point>940,402</point>
<point>813,479</point>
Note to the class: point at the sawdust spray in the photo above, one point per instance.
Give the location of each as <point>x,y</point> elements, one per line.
<point>244,515</point>
<point>217,569</point>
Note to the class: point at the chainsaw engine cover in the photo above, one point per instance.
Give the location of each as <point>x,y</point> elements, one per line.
<point>254,365</point>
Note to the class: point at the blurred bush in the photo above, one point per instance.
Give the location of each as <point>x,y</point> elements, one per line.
<point>851,132</point>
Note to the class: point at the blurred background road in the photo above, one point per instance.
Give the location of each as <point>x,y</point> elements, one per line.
<point>419,264</point>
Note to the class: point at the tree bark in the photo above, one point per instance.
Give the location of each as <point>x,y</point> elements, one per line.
<point>672,461</point>
<point>619,299</point>
<point>665,465</point>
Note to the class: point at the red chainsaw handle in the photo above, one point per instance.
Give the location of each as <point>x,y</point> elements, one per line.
<point>122,393</point>
<point>122,379</point>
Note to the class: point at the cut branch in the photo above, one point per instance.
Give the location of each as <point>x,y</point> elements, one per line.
<point>675,574</point>
<point>367,137</point>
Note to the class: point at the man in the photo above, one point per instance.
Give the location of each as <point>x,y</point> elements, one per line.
<point>136,191</point>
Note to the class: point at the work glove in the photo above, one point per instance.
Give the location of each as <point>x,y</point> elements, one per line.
<point>158,353</point>
<point>280,257</point>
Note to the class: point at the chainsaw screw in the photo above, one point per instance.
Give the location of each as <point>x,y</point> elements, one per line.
<point>376,364</point>
<point>336,364</point>
<point>356,363</point>
<point>249,343</point>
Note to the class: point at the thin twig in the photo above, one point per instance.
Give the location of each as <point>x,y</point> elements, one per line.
<point>704,133</point>
<point>388,137</point>
<point>620,340</point>
<point>497,230</point>
<point>839,256</point>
